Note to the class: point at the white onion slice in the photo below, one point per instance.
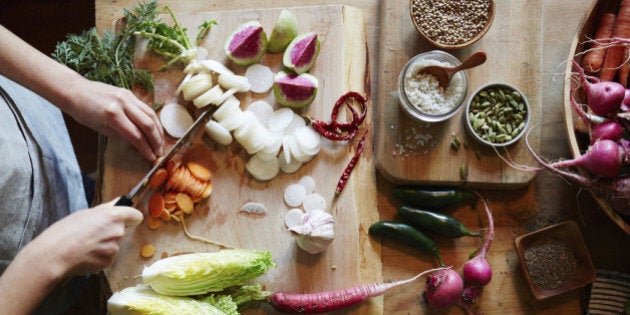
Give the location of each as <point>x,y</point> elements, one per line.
<point>260,77</point>
<point>175,119</point>
<point>294,195</point>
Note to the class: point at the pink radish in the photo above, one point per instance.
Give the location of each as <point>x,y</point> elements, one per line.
<point>444,288</point>
<point>315,303</point>
<point>603,158</point>
<point>603,97</point>
<point>477,271</point>
<point>599,127</point>
<point>616,191</point>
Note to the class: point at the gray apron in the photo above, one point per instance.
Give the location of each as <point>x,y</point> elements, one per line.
<point>40,180</point>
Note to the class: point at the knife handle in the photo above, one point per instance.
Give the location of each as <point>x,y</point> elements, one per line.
<point>124,201</point>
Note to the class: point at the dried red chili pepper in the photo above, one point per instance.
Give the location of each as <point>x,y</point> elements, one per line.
<point>348,170</point>
<point>340,131</point>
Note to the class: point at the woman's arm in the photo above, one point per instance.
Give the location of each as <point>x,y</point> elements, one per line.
<point>109,110</point>
<point>84,242</point>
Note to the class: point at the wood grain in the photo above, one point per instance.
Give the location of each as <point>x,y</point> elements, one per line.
<point>420,153</point>
<point>353,257</point>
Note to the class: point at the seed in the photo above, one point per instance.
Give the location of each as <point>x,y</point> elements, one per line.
<point>463,172</point>
<point>499,116</point>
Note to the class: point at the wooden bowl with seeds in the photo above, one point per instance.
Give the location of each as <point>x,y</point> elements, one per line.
<point>555,259</point>
<point>452,24</point>
<point>497,114</point>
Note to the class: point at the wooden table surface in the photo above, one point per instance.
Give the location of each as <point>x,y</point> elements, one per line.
<point>546,200</point>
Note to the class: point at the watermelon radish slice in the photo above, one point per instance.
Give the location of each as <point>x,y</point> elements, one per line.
<point>296,91</point>
<point>301,53</point>
<point>247,44</point>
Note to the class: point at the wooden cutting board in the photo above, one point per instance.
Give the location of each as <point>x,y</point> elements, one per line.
<point>410,152</point>
<point>353,257</point>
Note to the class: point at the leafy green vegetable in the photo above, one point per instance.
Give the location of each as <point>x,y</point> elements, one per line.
<point>143,300</point>
<point>223,302</point>
<point>200,273</point>
<point>109,58</point>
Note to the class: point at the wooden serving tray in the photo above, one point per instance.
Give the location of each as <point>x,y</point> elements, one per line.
<point>353,257</point>
<point>586,29</point>
<point>410,152</point>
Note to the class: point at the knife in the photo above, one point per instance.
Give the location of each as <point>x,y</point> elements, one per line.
<point>127,200</point>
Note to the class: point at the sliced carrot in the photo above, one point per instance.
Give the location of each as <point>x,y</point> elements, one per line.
<point>165,216</point>
<point>153,223</point>
<point>199,171</point>
<point>156,204</point>
<point>208,190</point>
<point>185,203</point>
<point>158,178</point>
<point>147,250</point>
<point>172,166</point>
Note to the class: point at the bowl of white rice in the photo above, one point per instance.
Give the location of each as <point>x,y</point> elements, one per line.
<point>421,96</point>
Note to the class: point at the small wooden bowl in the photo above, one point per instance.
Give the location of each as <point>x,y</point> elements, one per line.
<point>453,46</point>
<point>568,233</point>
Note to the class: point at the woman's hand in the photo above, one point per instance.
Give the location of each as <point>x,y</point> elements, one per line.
<point>84,242</point>
<point>117,112</point>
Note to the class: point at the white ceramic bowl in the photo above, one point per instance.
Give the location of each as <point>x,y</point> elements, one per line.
<point>486,138</point>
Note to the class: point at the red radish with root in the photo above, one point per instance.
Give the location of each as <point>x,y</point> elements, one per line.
<point>599,127</point>
<point>603,158</point>
<point>477,271</point>
<point>315,303</point>
<point>603,97</point>
<point>444,288</point>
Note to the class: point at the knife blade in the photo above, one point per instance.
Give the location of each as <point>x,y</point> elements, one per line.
<point>127,200</point>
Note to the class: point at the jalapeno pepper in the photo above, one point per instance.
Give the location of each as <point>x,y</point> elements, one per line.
<point>437,223</point>
<point>406,234</point>
<point>434,198</point>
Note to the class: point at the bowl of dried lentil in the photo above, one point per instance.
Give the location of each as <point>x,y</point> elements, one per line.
<point>452,24</point>
<point>555,259</point>
<point>497,114</point>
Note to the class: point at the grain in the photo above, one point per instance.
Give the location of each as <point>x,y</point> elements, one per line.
<point>550,263</point>
<point>451,22</point>
<point>425,93</point>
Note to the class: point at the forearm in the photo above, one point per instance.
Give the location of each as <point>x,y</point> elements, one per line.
<point>27,281</point>
<point>31,68</point>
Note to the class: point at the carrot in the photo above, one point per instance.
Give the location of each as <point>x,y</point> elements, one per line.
<point>315,303</point>
<point>184,203</point>
<point>594,58</point>
<point>147,250</point>
<point>199,171</point>
<point>158,178</point>
<point>153,223</point>
<point>614,54</point>
<point>624,71</point>
<point>156,204</point>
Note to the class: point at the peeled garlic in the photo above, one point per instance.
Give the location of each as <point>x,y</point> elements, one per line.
<point>315,231</point>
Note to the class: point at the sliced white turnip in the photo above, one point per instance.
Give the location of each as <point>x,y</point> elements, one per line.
<point>262,169</point>
<point>296,122</point>
<point>254,208</point>
<point>194,66</point>
<point>296,150</point>
<point>272,145</point>
<point>308,182</point>
<point>218,133</point>
<point>197,85</point>
<point>234,121</point>
<point>262,110</point>
<point>212,96</point>
<point>293,217</point>
<point>309,140</point>
<point>294,195</point>
<point>280,119</point>
<point>233,81</point>
<point>175,119</point>
<point>260,77</point>
<point>314,201</point>
<point>183,82</point>
<point>215,66</point>
<point>252,135</point>
<point>286,148</point>
<point>289,167</point>
<point>227,109</point>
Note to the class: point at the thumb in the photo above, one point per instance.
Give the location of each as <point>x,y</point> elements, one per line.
<point>129,215</point>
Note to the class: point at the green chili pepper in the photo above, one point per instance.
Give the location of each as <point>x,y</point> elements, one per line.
<point>437,223</point>
<point>434,198</point>
<point>406,234</point>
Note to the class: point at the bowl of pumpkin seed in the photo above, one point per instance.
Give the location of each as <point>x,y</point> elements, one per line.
<point>497,114</point>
